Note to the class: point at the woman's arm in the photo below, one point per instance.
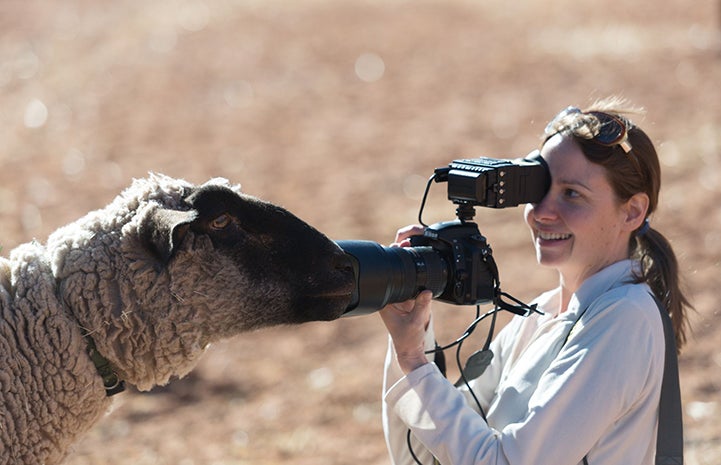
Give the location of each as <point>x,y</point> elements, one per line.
<point>605,379</point>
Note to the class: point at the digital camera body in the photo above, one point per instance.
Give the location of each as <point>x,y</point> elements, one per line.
<point>466,253</point>
<point>452,258</point>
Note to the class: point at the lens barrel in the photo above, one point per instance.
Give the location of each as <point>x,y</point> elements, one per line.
<point>387,275</point>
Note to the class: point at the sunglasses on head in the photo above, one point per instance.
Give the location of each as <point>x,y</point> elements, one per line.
<point>602,128</point>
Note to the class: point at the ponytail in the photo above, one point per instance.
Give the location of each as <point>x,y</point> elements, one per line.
<point>659,269</point>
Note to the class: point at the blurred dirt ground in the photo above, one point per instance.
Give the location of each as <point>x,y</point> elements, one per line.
<point>339,111</point>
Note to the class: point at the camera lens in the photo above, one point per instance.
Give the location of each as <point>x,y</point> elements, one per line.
<point>387,275</point>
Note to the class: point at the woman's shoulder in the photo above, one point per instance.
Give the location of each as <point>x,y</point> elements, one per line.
<point>627,295</point>
<point>629,305</point>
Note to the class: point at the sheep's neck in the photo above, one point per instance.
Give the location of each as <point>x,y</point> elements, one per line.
<point>112,382</point>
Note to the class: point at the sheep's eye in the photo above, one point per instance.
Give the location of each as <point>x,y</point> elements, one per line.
<point>220,222</point>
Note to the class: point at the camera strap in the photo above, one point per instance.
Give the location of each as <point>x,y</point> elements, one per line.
<point>669,438</point>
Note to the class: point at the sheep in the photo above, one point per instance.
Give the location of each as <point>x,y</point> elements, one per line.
<point>136,291</point>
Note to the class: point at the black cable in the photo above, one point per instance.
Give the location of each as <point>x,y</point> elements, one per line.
<point>410,448</point>
<point>423,201</point>
<point>467,333</point>
<point>491,330</point>
<point>465,381</point>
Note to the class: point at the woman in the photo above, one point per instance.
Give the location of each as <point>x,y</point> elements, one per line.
<point>580,383</point>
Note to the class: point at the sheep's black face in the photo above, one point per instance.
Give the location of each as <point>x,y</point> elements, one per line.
<point>289,271</point>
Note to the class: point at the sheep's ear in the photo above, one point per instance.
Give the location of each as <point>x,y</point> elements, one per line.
<point>162,230</point>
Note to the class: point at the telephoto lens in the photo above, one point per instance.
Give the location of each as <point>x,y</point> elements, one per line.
<point>387,275</point>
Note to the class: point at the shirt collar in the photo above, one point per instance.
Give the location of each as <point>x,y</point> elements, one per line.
<point>614,275</point>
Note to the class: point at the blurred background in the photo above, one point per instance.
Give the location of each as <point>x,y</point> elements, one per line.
<point>339,110</point>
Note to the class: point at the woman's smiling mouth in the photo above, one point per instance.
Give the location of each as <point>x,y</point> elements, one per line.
<point>550,236</point>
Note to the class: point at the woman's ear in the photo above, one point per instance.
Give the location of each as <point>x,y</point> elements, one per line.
<point>636,209</point>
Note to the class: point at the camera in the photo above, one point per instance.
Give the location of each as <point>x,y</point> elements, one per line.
<point>452,258</point>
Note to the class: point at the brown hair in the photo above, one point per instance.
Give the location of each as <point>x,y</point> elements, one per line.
<point>629,173</point>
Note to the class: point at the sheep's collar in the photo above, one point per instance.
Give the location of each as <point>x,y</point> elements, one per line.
<point>113,384</point>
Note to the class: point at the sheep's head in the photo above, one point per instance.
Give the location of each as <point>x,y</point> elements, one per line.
<point>262,262</point>
<point>160,275</point>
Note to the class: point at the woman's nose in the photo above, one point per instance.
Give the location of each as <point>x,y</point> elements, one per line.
<point>545,210</point>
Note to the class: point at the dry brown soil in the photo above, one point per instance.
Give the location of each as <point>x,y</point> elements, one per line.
<point>339,111</point>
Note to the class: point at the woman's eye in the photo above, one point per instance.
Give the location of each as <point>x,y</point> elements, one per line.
<point>571,193</point>
<point>220,222</point>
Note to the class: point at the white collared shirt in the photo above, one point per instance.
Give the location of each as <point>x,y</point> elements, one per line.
<point>551,397</point>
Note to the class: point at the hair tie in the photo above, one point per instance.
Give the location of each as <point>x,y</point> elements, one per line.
<point>644,228</point>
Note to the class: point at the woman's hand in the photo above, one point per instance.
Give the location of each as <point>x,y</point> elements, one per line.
<point>403,235</point>
<point>407,321</point>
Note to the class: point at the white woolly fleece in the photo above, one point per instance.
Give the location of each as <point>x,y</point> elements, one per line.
<point>150,318</point>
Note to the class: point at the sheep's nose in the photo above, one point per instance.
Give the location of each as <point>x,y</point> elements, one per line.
<point>341,261</point>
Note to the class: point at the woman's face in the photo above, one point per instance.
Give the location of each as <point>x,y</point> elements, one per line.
<point>580,226</point>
